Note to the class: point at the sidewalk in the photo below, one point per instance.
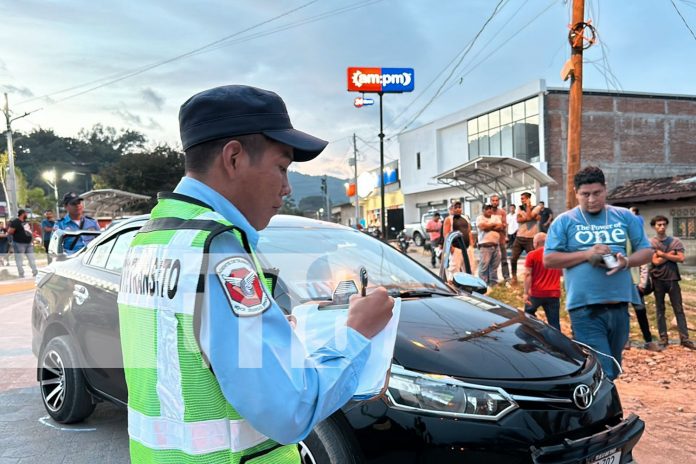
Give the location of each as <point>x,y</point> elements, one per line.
<point>10,282</point>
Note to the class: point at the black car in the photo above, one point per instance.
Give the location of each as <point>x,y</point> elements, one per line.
<point>472,380</point>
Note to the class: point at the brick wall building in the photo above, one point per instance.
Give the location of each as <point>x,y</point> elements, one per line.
<point>630,136</point>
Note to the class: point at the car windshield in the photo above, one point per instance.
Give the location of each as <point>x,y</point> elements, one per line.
<point>311,262</point>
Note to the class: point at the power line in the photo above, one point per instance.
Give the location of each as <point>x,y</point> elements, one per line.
<point>205,48</point>
<point>423,92</point>
<point>683,19</point>
<point>466,52</point>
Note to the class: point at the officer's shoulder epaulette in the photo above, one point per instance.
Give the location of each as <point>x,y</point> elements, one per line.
<point>89,217</point>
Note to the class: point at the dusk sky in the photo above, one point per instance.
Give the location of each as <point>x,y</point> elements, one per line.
<point>53,53</point>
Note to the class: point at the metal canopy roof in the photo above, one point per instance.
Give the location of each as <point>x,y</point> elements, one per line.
<point>111,202</point>
<point>485,176</point>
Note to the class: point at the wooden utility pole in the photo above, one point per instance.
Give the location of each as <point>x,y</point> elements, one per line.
<point>575,100</point>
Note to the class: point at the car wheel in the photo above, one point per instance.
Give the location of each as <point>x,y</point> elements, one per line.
<point>418,239</point>
<point>330,443</point>
<point>63,386</point>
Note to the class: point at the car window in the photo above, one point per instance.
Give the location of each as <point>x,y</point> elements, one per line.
<point>118,252</point>
<point>101,254</point>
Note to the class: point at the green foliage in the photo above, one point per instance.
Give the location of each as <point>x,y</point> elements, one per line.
<point>37,200</point>
<point>312,203</point>
<point>289,207</point>
<point>144,172</point>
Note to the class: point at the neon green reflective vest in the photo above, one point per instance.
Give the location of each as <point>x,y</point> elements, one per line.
<point>176,411</point>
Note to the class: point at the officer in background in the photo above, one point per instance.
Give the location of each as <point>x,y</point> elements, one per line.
<point>73,220</point>
<point>207,351</point>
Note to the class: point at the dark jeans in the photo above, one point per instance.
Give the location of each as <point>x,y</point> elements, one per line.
<point>521,243</point>
<point>504,262</point>
<point>552,308</point>
<point>671,288</point>
<point>604,327</point>
<point>642,317</point>
<point>48,256</point>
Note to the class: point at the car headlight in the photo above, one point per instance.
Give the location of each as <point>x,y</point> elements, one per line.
<point>446,396</point>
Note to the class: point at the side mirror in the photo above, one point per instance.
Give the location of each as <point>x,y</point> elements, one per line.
<point>59,238</point>
<point>470,283</point>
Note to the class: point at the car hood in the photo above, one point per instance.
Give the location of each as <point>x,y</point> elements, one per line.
<point>474,337</point>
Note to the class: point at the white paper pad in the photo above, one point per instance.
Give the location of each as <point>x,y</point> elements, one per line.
<point>317,327</point>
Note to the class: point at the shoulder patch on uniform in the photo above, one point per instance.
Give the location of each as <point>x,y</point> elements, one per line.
<point>242,286</point>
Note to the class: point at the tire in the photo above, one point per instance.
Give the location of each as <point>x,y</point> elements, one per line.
<point>331,442</point>
<point>418,239</point>
<point>62,384</point>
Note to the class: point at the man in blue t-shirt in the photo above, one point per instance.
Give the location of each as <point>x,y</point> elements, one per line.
<point>47,226</point>
<point>597,297</point>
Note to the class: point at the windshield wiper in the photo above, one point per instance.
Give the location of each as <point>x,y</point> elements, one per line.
<point>417,292</point>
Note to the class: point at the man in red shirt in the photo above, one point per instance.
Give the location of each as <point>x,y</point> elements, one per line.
<point>542,286</point>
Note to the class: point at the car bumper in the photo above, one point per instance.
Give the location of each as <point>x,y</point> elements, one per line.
<point>621,437</point>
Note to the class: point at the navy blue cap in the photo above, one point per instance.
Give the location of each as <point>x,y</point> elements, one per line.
<point>232,110</point>
<point>71,196</point>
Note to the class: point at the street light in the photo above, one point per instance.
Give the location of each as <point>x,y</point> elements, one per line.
<point>51,178</point>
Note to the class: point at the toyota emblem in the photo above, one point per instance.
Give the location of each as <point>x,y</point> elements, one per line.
<point>582,396</point>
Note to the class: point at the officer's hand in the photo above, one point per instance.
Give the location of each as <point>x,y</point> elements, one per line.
<point>369,314</point>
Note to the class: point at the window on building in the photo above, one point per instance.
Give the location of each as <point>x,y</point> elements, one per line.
<point>511,131</point>
<point>685,227</point>
<point>418,160</point>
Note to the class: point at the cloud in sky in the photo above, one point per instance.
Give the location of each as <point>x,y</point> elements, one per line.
<point>153,98</point>
<point>305,60</point>
<point>21,91</point>
<point>139,122</point>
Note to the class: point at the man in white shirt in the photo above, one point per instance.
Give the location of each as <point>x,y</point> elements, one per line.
<point>512,225</point>
<point>490,227</point>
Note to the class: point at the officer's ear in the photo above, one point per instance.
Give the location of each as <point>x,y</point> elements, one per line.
<point>232,154</point>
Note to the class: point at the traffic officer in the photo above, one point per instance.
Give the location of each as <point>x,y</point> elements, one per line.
<point>75,219</point>
<point>207,352</point>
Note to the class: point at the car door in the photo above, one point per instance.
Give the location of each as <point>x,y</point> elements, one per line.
<point>97,325</point>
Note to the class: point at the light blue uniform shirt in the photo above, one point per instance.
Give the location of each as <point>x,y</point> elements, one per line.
<point>70,244</point>
<point>585,284</point>
<point>251,356</point>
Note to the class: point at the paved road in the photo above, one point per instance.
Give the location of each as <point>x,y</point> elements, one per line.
<point>27,435</point>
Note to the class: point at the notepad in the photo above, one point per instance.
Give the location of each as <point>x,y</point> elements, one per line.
<point>316,327</point>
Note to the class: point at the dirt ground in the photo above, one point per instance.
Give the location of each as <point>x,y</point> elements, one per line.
<point>660,388</point>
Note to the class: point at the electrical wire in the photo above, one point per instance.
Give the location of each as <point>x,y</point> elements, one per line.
<point>683,19</point>
<point>114,78</point>
<point>496,10</point>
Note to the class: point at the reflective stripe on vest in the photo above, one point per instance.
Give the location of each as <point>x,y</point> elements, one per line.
<point>176,409</point>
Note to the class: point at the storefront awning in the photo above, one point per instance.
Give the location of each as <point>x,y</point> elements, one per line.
<point>111,202</point>
<point>482,177</point>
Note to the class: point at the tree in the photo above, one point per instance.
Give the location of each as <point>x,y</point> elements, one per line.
<point>144,172</point>
<point>289,207</point>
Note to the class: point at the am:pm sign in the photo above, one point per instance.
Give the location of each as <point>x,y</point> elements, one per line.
<point>385,80</point>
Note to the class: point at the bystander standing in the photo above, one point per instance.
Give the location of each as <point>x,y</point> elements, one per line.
<point>512,225</point>
<point>665,278</point>
<point>542,286</point>
<point>490,227</point>
<point>22,237</point>
<point>47,226</point>
<point>545,217</point>
<point>496,210</point>
<point>434,230</point>
<point>590,242</point>
<point>4,246</point>
<point>527,217</point>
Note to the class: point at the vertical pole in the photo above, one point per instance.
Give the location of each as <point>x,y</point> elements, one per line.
<point>55,194</point>
<point>355,180</point>
<point>575,106</point>
<point>11,180</point>
<point>328,200</point>
<point>382,215</point>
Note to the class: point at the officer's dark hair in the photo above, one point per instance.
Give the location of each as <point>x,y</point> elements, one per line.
<point>200,157</point>
<point>659,218</point>
<point>589,175</point>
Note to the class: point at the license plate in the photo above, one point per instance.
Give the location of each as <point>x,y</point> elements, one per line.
<point>608,457</point>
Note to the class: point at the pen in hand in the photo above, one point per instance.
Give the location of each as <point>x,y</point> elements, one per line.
<point>363,281</point>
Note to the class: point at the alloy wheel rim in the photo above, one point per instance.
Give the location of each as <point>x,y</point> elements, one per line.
<point>53,381</point>
<point>306,456</point>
